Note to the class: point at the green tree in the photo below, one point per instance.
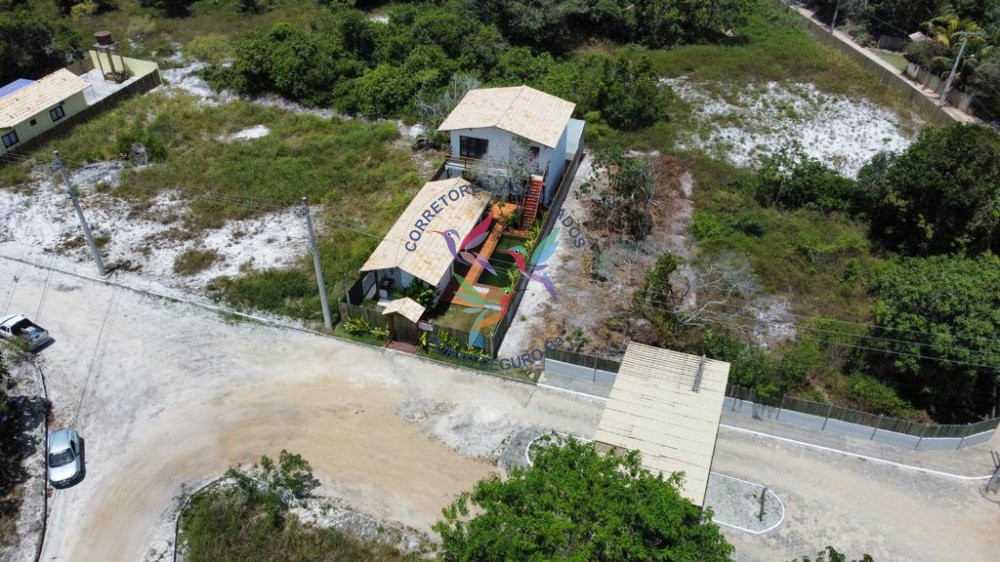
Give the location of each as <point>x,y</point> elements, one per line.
<point>792,179</point>
<point>170,8</point>
<point>941,195</point>
<point>31,46</point>
<point>938,319</point>
<point>631,182</point>
<point>577,504</point>
<point>630,95</point>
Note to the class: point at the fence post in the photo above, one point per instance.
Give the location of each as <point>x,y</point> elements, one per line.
<point>829,408</point>
<point>780,406</point>
<point>877,422</point>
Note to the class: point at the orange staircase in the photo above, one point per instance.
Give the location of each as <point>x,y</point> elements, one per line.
<point>530,207</point>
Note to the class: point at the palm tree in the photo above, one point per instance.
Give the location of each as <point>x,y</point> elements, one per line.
<point>947,28</point>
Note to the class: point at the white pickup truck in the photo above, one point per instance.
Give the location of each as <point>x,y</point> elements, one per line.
<point>17,326</point>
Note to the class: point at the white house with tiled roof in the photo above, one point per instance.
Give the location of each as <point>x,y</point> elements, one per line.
<point>29,108</point>
<point>485,124</point>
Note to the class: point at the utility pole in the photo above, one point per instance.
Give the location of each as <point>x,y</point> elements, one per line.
<point>951,77</point>
<point>94,250</point>
<point>327,320</point>
<point>836,10</point>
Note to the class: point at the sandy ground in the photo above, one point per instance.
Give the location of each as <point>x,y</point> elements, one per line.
<point>740,124</point>
<point>167,394</point>
<point>858,507</point>
<point>595,283</point>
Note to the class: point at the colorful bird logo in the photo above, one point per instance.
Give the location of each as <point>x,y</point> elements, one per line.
<point>478,304</point>
<point>542,252</point>
<point>463,253</point>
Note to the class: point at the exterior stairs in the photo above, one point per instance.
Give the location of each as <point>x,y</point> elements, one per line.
<point>529,210</point>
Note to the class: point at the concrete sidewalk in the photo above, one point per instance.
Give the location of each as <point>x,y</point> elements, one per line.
<point>846,40</point>
<point>973,461</point>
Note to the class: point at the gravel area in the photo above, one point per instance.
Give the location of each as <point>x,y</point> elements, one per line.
<point>736,503</point>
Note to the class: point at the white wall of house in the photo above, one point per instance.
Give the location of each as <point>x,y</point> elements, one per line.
<point>557,163</point>
<point>498,151</point>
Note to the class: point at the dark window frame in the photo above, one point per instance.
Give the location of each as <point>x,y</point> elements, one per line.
<point>7,142</point>
<point>33,122</point>
<point>54,110</point>
<point>472,147</point>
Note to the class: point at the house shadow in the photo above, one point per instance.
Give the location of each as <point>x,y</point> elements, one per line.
<point>19,424</point>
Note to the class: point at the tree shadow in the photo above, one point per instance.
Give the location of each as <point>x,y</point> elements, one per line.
<point>18,441</point>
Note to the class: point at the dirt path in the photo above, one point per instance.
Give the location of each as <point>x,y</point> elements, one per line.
<point>857,506</point>
<point>167,394</point>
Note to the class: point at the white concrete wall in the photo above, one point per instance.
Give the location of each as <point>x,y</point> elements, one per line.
<point>557,157</point>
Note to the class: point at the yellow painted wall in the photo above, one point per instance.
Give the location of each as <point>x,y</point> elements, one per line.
<point>138,68</point>
<point>43,121</point>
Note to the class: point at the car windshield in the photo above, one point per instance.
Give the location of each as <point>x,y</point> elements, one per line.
<point>62,457</point>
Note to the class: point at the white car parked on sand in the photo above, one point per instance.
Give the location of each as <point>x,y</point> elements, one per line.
<point>17,326</point>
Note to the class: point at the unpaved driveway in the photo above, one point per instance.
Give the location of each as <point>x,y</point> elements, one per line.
<point>166,394</point>
<point>858,506</point>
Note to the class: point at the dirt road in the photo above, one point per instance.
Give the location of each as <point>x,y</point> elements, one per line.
<point>167,394</point>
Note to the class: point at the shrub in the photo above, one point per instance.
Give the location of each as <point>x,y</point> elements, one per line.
<point>193,260</point>
<point>357,326</point>
<point>791,179</point>
<point>876,397</point>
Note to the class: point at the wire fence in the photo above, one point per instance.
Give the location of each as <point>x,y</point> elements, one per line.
<point>819,415</point>
<point>876,422</point>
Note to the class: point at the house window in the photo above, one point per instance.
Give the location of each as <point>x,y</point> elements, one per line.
<point>33,122</point>
<point>10,139</point>
<point>471,147</point>
<point>534,152</point>
<point>57,113</point>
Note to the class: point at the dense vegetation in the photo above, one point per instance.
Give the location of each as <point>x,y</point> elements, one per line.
<point>386,69</point>
<point>577,504</point>
<point>925,276</point>
<point>250,519</point>
<point>944,22</point>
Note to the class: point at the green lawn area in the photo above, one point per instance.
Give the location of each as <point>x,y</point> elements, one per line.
<point>899,61</point>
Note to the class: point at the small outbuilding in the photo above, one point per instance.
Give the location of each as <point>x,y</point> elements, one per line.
<point>667,405</point>
<point>410,251</point>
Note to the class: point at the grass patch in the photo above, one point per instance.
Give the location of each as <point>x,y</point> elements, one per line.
<point>249,518</point>
<point>899,61</point>
<point>193,260</point>
<point>815,259</point>
<point>150,34</point>
<point>348,167</point>
<point>773,46</point>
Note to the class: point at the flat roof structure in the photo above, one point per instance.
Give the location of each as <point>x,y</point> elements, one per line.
<point>521,110</point>
<point>667,405</point>
<point>450,205</point>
